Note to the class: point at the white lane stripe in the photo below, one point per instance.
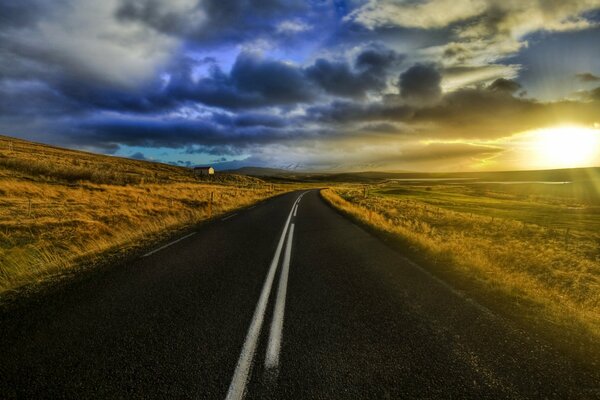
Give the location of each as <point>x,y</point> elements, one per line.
<point>244,364</point>
<point>295,209</point>
<point>229,216</point>
<point>168,244</point>
<point>275,334</point>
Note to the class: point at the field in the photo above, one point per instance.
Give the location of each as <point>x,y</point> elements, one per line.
<point>528,250</point>
<point>62,209</point>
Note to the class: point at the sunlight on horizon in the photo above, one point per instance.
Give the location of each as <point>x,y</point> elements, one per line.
<point>567,146</point>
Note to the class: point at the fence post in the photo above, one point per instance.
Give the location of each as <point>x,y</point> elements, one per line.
<point>210,204</point>
<point>29,209</point>
<point>567,237</point>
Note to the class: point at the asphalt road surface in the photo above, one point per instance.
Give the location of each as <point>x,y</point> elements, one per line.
<point>274,302</point>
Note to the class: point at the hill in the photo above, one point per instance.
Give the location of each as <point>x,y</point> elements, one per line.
<point>61,209</point>
<point>586,177</point>
<point>260,171</point>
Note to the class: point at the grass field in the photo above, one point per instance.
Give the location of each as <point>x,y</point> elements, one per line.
<point>529,250</point>
<point>60,208</point>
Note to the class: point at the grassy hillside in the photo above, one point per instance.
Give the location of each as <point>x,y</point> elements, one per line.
<point>60,208</point>
<point>530,251</point>
<point>580,177</point>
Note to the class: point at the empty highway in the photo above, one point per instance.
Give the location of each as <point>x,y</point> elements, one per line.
<point>284,300</point>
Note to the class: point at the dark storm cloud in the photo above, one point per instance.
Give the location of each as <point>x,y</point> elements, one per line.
<point>482,113</point>
<point>211,22</point>
<point>339,78</point>
<point>138,156</point>
<point>381,127</point>
<point>215,132</point>
<point>350,112</point>
<point>19,13</point>
<point>32,99</point>
<point>466,113</point>
<point>274,80</point>
<point>255,119</point>
<point>591,95</point>
<point>587,77</point>
<point>420,84</point>
<point>504,85</point>
<point>253,82</point>
<point>377,59</point>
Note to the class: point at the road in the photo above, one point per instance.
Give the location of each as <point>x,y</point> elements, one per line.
<point>274,302</point>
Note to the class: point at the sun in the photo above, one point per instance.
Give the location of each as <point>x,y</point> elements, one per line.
<point>564,147</point>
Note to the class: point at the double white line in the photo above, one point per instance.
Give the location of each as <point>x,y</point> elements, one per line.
<point>237,387</point>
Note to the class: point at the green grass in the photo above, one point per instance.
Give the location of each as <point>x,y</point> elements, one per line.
<point>557,213</point>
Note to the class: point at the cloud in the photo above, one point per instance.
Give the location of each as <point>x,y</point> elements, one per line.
<point>458,77</point>
<point>102,50</point>
<point>179,17</point>
<point>470,113</point>
<point>587,77</point>
<point>216,133</point>
<point>517,17</point>
<point>32,99</point>
<point>504,86</point>
<point>214,22</point>
<point>424,14</point>
<point>337,78</point>
<point>349,112</point>
<point>482,113</point>
<point>590,95</point>
<point>481,30</point>
<point>420,84</point>
<point>275,80</point>
<point>369,73</point>
<point>16,14</point>
<point>291,27</point>
<point>291,81</point>
<point>254,81</point>
<point>138,156</point>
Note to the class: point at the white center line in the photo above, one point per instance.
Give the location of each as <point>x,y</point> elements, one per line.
<point>275,333</point>
<point>168,244</point>
<point>229,216</point>
<point>237,387</point>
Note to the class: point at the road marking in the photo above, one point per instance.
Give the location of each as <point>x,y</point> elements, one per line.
<point>168,244</point>
<point>295,209</point>
<point>275,334</point>
<point>250,208</point>
<point>237,387</point>
<point>229,216</point>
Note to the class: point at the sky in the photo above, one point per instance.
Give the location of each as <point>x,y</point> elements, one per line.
<point>327,85</point>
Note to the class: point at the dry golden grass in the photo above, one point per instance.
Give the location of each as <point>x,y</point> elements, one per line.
<point>58,208</point>
<point>533,271</point>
